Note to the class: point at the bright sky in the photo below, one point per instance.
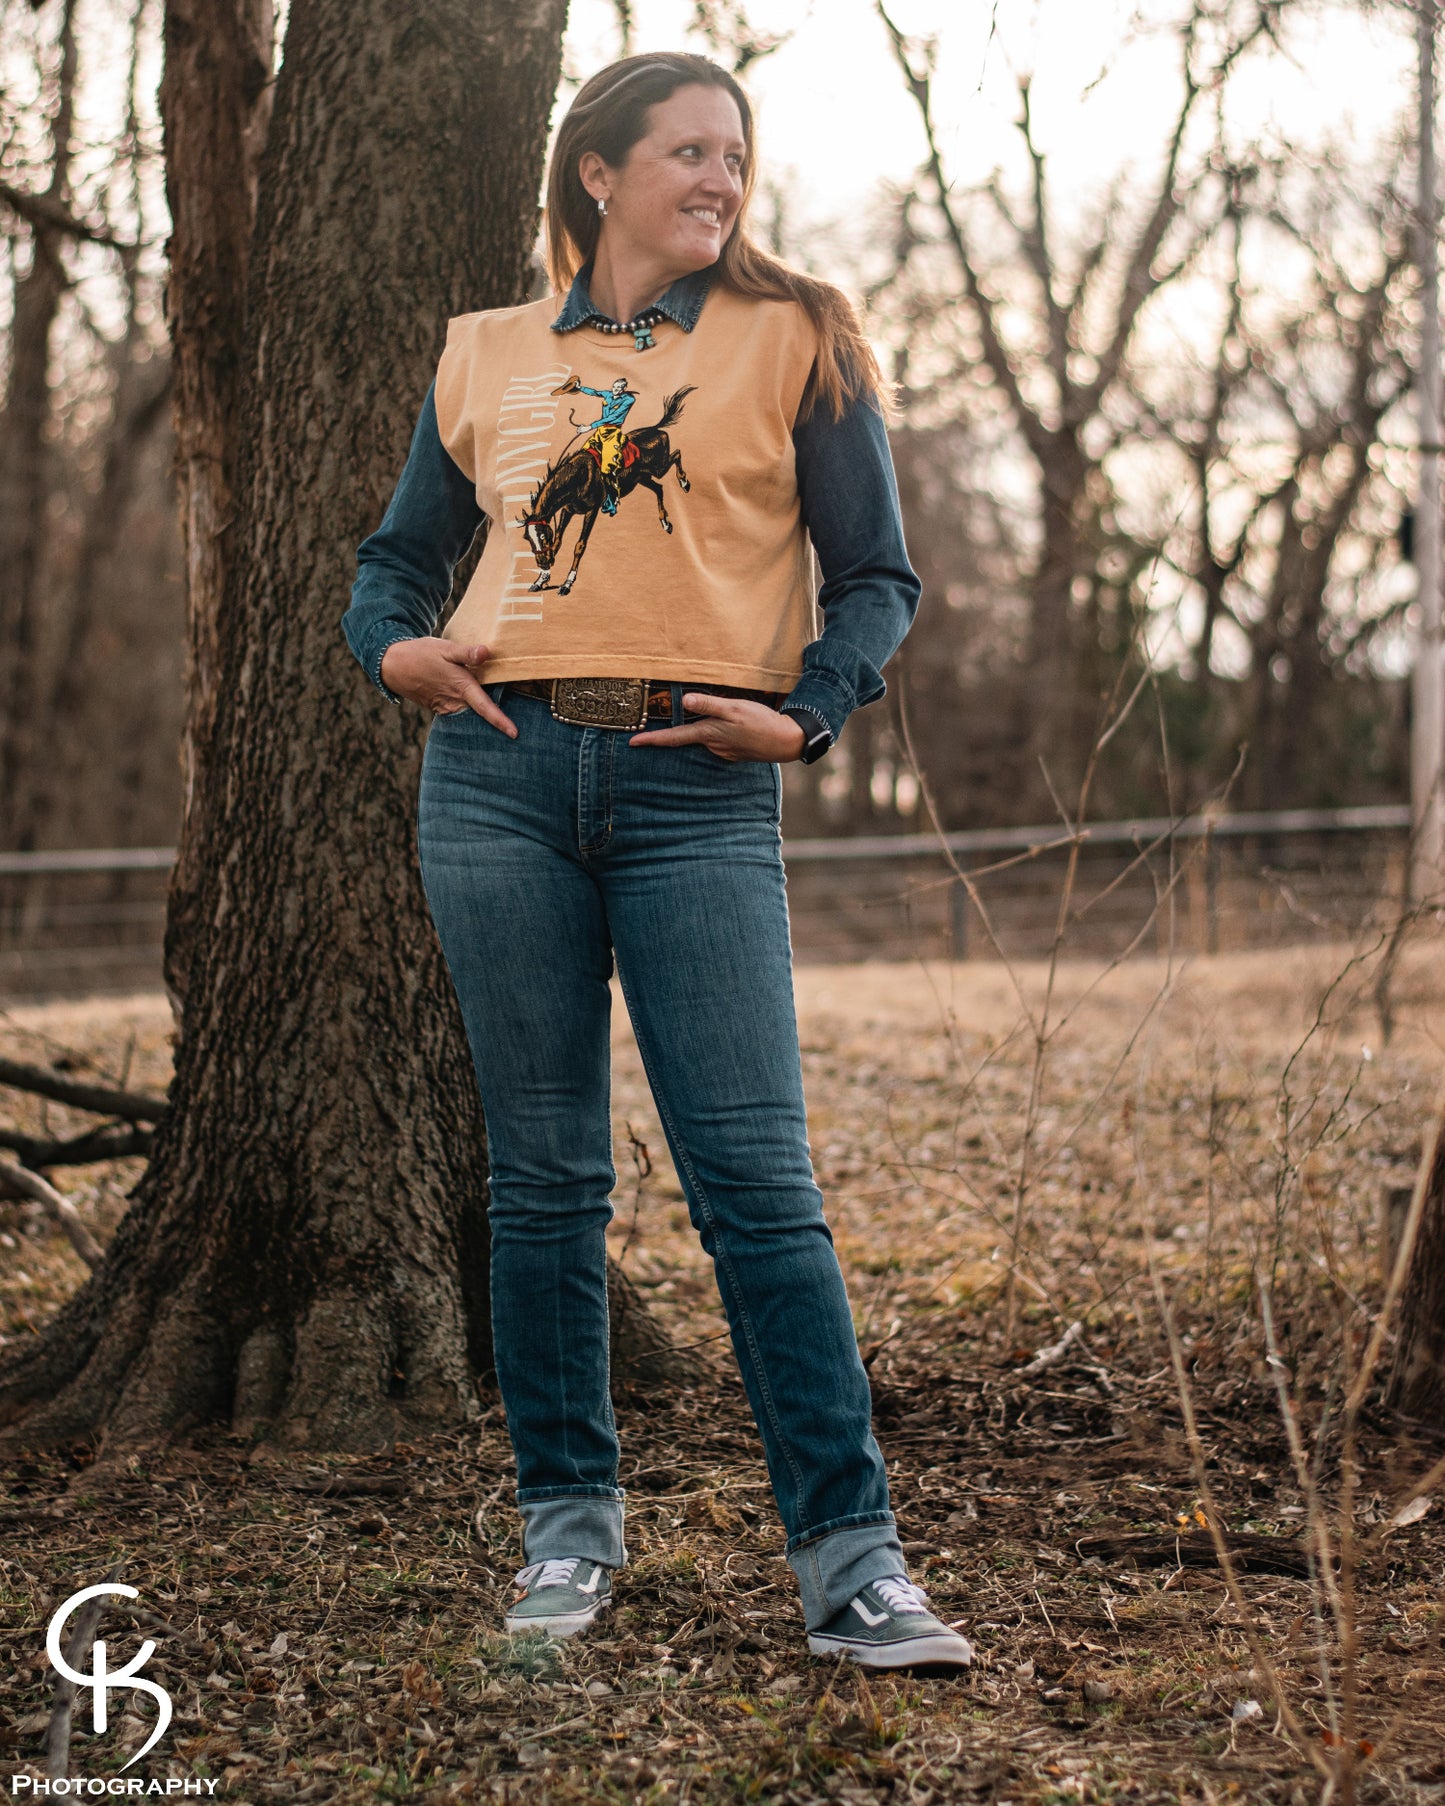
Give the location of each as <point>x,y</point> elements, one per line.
<point>835,118</point>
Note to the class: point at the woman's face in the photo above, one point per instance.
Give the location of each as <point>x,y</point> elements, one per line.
<point>676,198</point>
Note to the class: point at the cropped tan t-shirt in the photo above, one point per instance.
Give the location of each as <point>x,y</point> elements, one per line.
<point>703,573</point>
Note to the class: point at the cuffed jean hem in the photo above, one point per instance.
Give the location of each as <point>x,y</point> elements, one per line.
<point>584,1524</point>
<point>834,1565</point>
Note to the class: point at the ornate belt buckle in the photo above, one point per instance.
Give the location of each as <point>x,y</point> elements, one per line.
<point>600,701</point>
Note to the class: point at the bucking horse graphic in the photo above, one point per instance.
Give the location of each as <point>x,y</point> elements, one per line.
<point>606,467</point>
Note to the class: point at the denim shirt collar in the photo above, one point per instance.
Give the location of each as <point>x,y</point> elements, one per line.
<point>682,303</point>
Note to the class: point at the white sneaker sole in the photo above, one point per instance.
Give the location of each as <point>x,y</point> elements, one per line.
<point>951,1651</point>
<point>562,1624</point>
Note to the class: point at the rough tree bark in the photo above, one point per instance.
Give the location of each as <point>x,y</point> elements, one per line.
<point>1417,1383</point>
<point>305,1254</point>
<point>215,99</point>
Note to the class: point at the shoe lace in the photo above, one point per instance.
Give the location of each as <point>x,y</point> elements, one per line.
<point>900,1594</point>
<point>541,1574</point>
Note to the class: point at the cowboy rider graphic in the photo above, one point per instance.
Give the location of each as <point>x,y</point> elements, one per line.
<point>605,435</point>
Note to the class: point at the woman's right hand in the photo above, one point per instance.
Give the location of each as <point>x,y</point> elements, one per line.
<point>439,674</point>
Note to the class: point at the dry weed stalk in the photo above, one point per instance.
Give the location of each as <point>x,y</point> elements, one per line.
<point>1214,1521</point>
<point>1332,1535</point>
<point>1311,1120</point>
<point>1042,1024</point>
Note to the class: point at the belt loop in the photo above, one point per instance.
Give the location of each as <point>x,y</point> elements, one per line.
<point>677,690</point>
<point>495,691</point>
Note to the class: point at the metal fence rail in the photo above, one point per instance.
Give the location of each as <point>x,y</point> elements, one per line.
<point>91,921</point>
<point>1210,883</point>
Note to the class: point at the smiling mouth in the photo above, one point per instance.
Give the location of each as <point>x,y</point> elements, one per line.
<point>708,215</point>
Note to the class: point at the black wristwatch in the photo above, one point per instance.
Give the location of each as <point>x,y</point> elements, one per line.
<point>817,735</point>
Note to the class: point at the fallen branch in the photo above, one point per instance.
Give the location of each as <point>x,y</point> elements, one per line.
<point>102,1100</point>
<point>83,1150</point>
<point>341,1485</point>
<point>1052,1355</point>
<point>31,1185</point>
<point>1195,1549</point>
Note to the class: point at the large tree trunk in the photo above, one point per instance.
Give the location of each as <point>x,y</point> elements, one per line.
<point>215,99</point>
<point>1417,1384</point>
<point>306,1252</point>
<point>142,390</point>
<point>1060,708</point>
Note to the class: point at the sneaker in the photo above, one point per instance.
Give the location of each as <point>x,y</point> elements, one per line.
<point>559,1597</point>
<point>889,1625</point>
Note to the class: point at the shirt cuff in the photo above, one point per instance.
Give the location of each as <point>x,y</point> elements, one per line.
<point>824,696</point>
<point>373,664</point>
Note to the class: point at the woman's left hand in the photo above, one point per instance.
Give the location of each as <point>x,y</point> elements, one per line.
<point>733,728</point>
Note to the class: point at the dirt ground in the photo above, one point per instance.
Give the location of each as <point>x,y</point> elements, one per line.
<point>1001,1160</point>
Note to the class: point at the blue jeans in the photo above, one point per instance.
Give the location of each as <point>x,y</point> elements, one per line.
<point>543,858</point>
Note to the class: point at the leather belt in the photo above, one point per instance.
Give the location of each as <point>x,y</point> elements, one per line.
<point>624,702</point>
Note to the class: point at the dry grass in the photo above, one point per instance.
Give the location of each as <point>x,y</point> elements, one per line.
<point>1220,1120</point>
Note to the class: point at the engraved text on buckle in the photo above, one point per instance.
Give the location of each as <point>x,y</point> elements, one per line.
<point>600,701</point>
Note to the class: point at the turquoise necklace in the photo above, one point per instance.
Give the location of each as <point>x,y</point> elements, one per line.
<point>640,327</point>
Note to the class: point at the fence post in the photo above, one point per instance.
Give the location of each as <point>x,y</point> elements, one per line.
<point>1211,886</point>
<point>958,917</point>
<point>1197,902</point>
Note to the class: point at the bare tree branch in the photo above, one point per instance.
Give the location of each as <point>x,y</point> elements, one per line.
<point>133,1106</point>
<point>1035,241</point>
<point>1139,283</point>
<point>985,307</point>
<point>46,213</point>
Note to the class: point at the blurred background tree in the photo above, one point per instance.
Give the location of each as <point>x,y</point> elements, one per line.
<point>91,611</point>
<point>1151,431</point>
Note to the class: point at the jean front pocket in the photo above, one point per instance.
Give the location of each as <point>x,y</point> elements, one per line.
<point>755,784</point>
<point>705,757</point>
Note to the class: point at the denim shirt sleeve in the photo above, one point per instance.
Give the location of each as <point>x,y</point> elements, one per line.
<point>404,570</point>
<point>870,593</point>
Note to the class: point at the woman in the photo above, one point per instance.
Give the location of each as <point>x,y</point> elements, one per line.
<point>653,448</point>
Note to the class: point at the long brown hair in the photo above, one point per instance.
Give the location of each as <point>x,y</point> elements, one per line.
<point>609,116</point>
